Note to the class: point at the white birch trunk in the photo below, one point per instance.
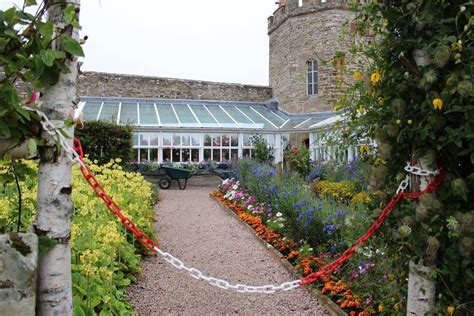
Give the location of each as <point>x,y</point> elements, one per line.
<point>54,190</point>
<point>421,286</point>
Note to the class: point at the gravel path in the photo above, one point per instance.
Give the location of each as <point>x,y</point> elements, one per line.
<point>194,228</point>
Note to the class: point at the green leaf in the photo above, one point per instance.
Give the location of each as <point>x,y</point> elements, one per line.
<point>71,46</point>
<point>78,311</point>
<point>5,131</point>
<point>32,146</point>
<point>30,2</point>
<point>46,29</point>
<point>70,16</point>
<point>47,56</point>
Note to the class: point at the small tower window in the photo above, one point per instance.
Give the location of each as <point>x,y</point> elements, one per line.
<point>312,79</point>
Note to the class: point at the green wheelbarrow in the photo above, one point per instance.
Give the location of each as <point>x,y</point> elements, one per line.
<point>179,175</point>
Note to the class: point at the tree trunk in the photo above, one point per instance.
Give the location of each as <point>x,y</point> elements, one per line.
<point>421,286</point>
<point>54,210</point>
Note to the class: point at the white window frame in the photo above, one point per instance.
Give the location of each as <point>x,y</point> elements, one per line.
<point>312,79</point>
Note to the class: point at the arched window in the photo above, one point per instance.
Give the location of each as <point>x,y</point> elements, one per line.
<point>312,78</point>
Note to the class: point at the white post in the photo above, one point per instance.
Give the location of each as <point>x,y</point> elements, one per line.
<point>54,210</point>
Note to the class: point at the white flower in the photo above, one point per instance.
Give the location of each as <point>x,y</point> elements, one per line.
<point>281,225</point>
<point>279,214</point>
<point>310,249</point>
<point>463,8</point>
<point>235,187</point>
<point>250,207</point>
<point>225,181</point>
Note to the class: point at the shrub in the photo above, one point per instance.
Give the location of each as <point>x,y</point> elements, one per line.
<point>104,141</point>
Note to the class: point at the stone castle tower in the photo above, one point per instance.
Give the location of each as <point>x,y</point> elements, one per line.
<point>303,34</point>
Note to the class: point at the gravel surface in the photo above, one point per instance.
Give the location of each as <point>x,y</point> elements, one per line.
<point>195,229</point>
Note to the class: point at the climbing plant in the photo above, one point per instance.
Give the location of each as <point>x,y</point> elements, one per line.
<point>33,53</point>
<point>414,95</point>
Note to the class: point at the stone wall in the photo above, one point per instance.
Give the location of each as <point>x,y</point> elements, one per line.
<point>298,34</point>
<point>119,85</point>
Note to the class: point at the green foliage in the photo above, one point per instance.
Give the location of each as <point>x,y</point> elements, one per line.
<point>27,55</point>
<point>263,152</point>
<point>416,99</point>
<point>104,256</point>
<point>299,159</point>
<point>104,141</point>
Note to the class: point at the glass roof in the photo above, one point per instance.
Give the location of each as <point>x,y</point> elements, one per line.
<point>196,114</point>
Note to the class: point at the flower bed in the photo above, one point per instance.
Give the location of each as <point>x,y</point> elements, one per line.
<point>104,257</point>
<point>318,229</point>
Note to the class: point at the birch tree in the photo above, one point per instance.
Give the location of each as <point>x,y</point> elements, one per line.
<point>54,211</point>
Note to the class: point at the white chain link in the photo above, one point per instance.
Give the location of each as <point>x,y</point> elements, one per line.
<point>223,284</point>
<point>416,171</point>
<point>52,130</point>
<point>420,172</point>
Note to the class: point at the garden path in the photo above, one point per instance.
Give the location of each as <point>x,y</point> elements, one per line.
<point>195,229</point>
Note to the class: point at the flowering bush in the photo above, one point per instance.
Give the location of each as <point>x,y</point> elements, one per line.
<point>341,192</point>
<point>298,159</point>
<point>104,256</point>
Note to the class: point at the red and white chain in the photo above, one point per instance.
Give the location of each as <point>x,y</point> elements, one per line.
<point>75,155</point>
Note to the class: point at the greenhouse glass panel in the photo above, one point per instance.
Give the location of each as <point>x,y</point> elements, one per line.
<point>109,112</point>
<point>256,118</point>
<point>225,154</point>
<point>269,115</point>
<point>195,154</point>
<point>148,114</point>
<point>154,154</point>
<point>185,154</point>
<point>144,139</point>
<point>135,139</point>
<point>195,140</point>
<point>234,154</point>
<point>216,139</point>
<point>207,140</point>
<point>225,140</point>
<point>167,116</point>
<point>90,110</point>
<point>185,116</point>
<point>234,140</point>
<point>239,117</point>
<point>216,155</point>
<point>246,140</point>
<point>203,116</point>
<point>176,139</point>
<point>185,140</point>
<point>207,154</point>
<point>221,116</point>
<point>166,154</point>
<point>167,139</point>
<point>128,114</point>
<point>136,154</point>
<point>154,139</point>
<point>176,154</point>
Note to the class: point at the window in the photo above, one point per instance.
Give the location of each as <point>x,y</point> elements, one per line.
<point>312,79</point>
<point>146,146</point>
<point>181,147</point>
<point>221,147</point>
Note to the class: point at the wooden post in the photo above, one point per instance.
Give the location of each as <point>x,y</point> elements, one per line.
<point>54,210</point>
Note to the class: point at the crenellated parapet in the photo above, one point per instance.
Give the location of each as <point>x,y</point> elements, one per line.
<point>291,8</point>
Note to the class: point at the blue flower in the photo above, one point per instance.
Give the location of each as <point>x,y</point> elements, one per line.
<point>328,229</point>
<point>340,213</point>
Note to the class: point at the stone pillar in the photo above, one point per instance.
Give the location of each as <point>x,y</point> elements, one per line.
<point>18,272</point>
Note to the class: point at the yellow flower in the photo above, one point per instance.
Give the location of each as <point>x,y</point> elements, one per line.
<point>398,121</point>
<point>375,77</point>
<point>437,103</point>
<point>409,122</point>
<point>364,149</point>
<point>357,76</point>
<point>361,109</point>
<point>451,310</point>
<point>381,308</point>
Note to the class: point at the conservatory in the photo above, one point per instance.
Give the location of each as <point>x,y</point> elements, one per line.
<point>196,130</point>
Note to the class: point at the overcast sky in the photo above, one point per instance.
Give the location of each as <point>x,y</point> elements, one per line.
<point>215,40</point>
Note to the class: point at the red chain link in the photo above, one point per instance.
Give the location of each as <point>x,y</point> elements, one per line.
<point>111,205</point>
<point>346,255</point>
<point>143,238</point>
